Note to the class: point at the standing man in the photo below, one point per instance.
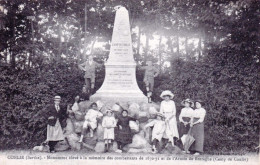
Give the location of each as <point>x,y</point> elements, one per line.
<point>90,68</point>
<point>149,74</point>
<point>56,115</point>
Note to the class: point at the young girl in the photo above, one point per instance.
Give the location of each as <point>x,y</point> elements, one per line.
<point>168,109</point>
<point>198,127</point>
<point>158,130</point>
<point>109,122</point>
<point>90,120</point>
<point>185,117</point>
<point>123,131</point>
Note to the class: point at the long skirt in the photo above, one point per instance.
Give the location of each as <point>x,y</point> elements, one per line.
<point>109,133</point>
<point>182,128</point>
<point>55,133</point>
<point>171,130</point>
<point>124,135</point>
<point>197,132</point>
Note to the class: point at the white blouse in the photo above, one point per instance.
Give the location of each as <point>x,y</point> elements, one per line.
<point>199,113</point>
<point>186,112</point>
<point>168,108</point>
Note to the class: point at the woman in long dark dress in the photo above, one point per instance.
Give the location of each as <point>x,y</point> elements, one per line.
<point>198,128</point>
<point>123,131</point>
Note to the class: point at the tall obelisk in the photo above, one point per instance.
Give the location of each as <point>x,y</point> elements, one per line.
<point>120,79</point>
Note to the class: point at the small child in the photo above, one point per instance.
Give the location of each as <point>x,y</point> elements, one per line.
<point>108,123</point>
<point>90,120</point>
<point>159,127</point>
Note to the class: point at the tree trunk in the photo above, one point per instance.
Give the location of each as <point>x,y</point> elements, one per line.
<point>60,43</point>
<point>85,32</point>
<point>138,41</point>
<point>199,48</point>
<point>79,48</point>
<point>12,44</point>
<point>178,45</point>
<point>186,47</point>
<point>146,47</point>
<point>92,45</point>
<point>160,54</point>
<point>170,44</point>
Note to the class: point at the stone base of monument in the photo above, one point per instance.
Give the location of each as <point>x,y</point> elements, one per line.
<point>114,97</point>
<point>120,84</point>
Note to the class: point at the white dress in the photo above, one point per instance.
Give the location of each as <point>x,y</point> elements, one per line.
<point>168,108</point>
<point>159,127</point>
<point>109,121</point>
<point>91,118</point>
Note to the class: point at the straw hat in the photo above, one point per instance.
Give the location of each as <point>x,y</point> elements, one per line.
<point>200,101</point>
<point>188,101</point>
<point>109,110</point>
<point>167,93</point>
<point>57,98</point>
<point>160,114</point>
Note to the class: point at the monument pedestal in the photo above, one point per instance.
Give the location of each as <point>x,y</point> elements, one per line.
<point>120,85</point>
<point>120,79</point>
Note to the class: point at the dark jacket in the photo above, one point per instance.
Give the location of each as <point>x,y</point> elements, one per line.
<point>60,115</point>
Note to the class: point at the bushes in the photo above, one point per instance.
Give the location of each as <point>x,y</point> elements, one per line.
<point>232,120</point>
<point>25,94</point>
<point>229,91</point>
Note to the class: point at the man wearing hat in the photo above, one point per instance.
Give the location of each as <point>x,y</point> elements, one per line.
<point>90,68</point>
<point>149,74</point>
<point>56,114</point>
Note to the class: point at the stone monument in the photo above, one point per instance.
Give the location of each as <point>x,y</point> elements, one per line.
<point>120,78</point>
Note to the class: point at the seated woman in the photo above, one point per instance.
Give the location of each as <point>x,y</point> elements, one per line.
<point>198,127</point>
<point>123,131</point>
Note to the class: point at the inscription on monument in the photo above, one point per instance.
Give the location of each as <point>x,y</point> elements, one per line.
<point>120,79</point>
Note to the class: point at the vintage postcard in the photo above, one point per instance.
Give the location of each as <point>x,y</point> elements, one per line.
<point>129,82</point>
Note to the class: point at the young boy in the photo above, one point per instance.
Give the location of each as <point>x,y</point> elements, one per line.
<point>90,120</point>
<point>159,127</point>
<point>109,122</point>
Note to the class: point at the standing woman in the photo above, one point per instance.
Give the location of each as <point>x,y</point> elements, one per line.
<point>198,127</point>
<point>168,109</point>
<point>185,116</point>
<point>55,116</point>
<point>123,130</point>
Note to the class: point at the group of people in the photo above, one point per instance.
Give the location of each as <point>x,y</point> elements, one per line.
<point>165,129</point>
<point>191,121</point>
<point>116,127</point>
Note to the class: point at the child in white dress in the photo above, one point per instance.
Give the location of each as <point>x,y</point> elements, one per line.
<point>109,123</point>
<point>90,120</point>
<point>158,130</point>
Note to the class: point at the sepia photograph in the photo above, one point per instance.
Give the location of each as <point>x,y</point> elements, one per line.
<point>129,82</point>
